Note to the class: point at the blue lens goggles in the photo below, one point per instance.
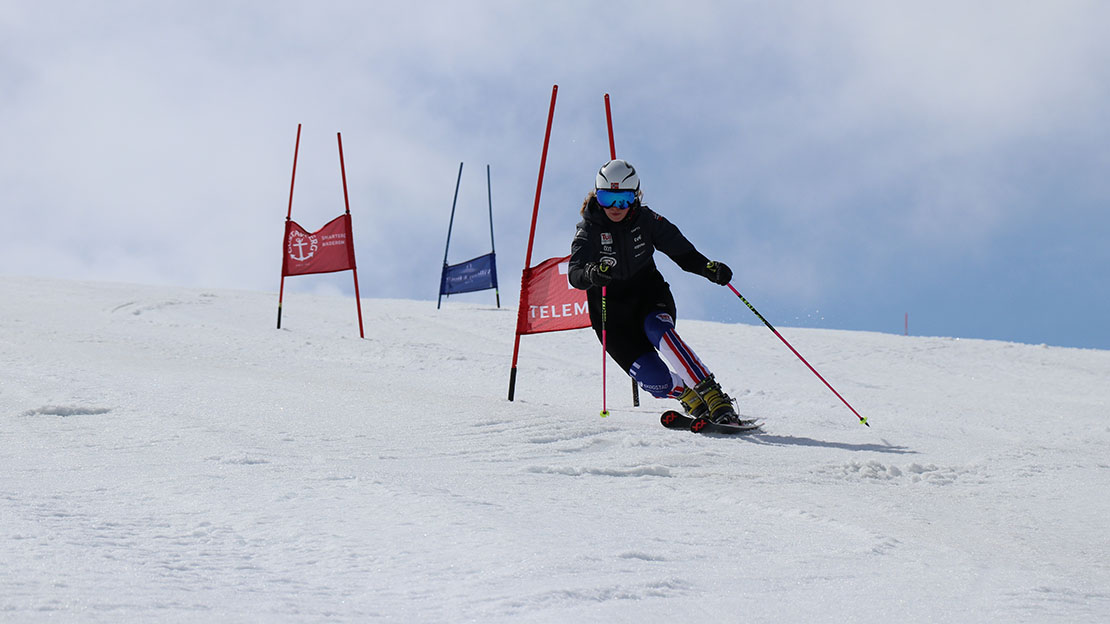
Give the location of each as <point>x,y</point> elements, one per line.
<point>616,199</point>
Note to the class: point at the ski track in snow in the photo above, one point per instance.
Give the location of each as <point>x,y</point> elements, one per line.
<point>169,455</point>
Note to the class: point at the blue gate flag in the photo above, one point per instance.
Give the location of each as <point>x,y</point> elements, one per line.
<point>470,276</point>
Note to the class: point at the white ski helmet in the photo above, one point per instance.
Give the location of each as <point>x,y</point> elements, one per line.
<point>617,175</point>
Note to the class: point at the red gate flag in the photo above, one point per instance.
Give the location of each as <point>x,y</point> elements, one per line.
<point>326,250</point>
<point>548,302</point>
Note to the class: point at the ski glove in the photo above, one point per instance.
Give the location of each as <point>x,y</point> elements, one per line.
<point>598,275</point>
<point>717,272</point>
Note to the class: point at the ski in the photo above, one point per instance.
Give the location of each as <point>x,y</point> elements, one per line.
<point>676,420</point>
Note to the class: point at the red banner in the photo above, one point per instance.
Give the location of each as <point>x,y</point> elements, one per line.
<point>326,250</point>
<point>548,302</point>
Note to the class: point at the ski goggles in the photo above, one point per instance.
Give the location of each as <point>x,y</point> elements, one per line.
<point>616,199</point>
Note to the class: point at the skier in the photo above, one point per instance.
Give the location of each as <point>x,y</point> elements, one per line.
<point>613,247</point>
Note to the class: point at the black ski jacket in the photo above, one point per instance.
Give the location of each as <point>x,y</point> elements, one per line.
<point>629,245</point>
<point>638,288</point>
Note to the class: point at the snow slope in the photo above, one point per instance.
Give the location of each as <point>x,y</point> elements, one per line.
<point>168,455</point>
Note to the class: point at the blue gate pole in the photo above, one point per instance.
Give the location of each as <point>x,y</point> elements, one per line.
<point>493,249</point>
<point>450,224</point>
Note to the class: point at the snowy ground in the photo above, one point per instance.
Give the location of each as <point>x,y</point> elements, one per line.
<point>168,455</point>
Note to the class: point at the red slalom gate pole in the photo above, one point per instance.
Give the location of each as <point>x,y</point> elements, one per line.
<point>609,122</point>
<point>531,238</point>
<point>814,370</point>
<point>351,242</point>
<point>288,216</point>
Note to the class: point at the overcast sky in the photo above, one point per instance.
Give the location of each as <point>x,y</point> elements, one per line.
<point>852,161</point>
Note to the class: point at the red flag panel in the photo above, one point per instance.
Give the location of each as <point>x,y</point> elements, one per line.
<point>548,302</point>
<point>329,249</point>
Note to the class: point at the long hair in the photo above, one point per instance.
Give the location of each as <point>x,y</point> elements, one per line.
<point>586,202</point>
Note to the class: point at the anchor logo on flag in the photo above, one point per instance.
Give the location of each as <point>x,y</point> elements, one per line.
<point>298,240</point>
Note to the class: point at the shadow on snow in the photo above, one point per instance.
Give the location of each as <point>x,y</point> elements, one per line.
<point>785,440</point>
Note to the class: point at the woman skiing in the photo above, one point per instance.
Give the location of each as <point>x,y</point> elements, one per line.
<point>613,247</point>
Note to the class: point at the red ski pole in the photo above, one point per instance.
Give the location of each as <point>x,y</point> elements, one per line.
<point>776,332</point>
<point>604,351</point>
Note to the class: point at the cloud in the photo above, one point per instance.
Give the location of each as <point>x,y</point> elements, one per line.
<point>813,146</point>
